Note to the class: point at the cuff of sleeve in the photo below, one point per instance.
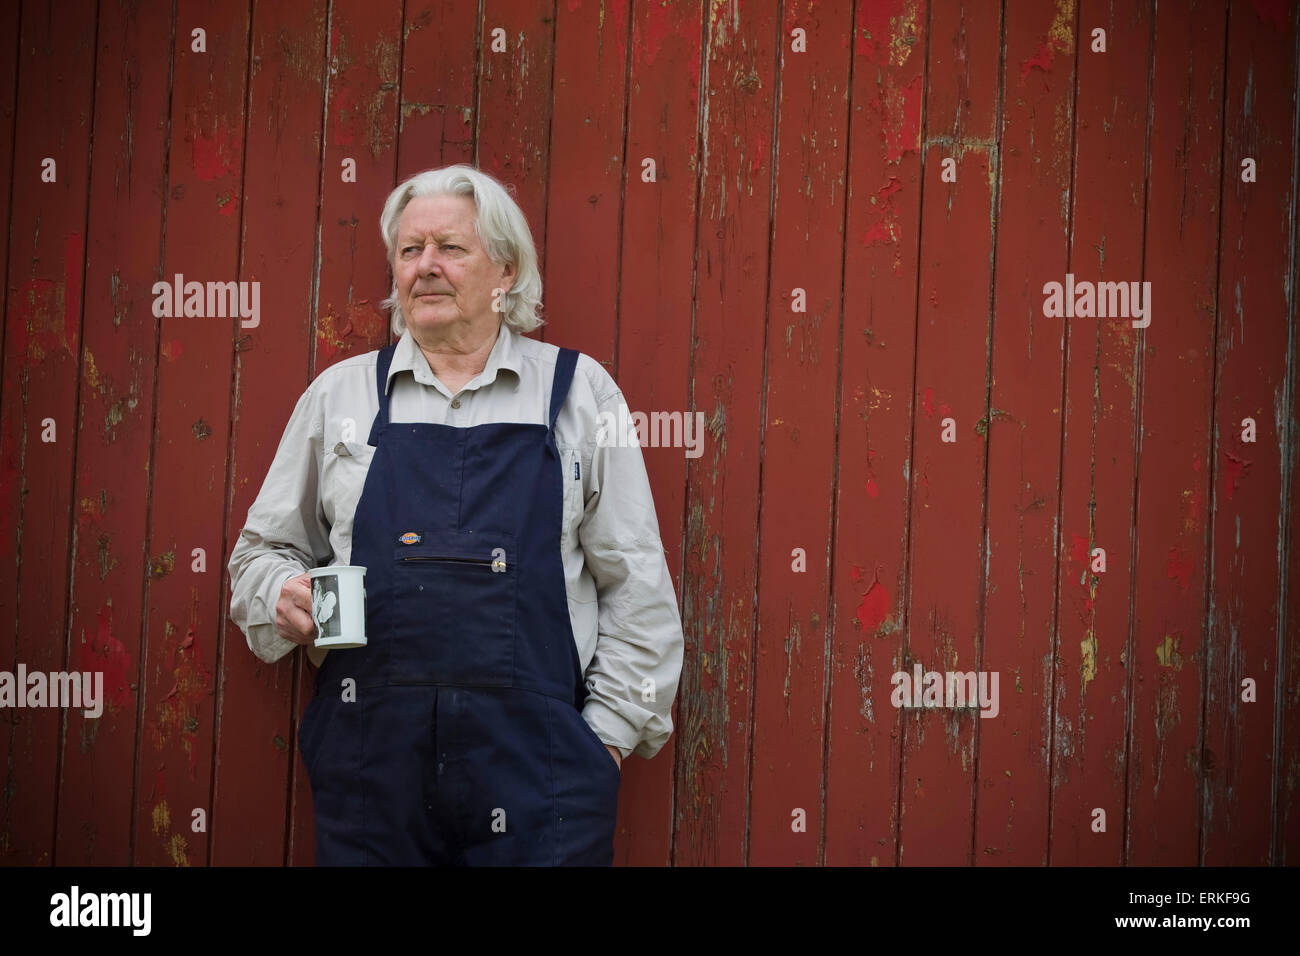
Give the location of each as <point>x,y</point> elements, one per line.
<point>610,726</point>
<point>267,644</point>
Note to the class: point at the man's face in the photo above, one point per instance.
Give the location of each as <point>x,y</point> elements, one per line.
<point>444,276</point>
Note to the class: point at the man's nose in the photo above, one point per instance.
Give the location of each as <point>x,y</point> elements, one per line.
<point>430,260</point>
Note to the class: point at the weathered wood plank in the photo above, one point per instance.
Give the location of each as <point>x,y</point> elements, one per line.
<point>1023,435</point>
<point>1247,550</point>
<point>715,728</point>
<point>256,740</point>
<point>1177,349</point>
<point>118,368</point>
<point>43,324</point>
<point>652,360</point>
<point>872,489</point>
<point>953,326</point>
<point>187,473</point>
<point>787,785</point>
<point>1090,682</point>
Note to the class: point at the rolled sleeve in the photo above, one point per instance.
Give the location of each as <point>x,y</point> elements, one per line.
<point>285,534</point>
<point>633,675</point>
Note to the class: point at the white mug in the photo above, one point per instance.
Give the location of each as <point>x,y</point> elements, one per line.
<point>338,605</point>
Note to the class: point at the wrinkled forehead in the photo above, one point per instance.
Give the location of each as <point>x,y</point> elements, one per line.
<point>438,218</point>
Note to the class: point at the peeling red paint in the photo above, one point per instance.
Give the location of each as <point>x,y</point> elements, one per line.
<point>214,156</point>
<point>903,132</point>
<point>874,30</point>
<point>871,488</point>
<point>104,652</point>
<point>855,574</point>
<point>878,233</point>
<point>659,24</point>
<point>171,350</point>
<point>1079,548</point>
<point>1179,567</point>
<point>874,608</point>
<point>1235,470</point>
<point>1042,60</point>
<point>929,402</point>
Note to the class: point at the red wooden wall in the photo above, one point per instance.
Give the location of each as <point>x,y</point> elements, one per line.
<point>782,162</point>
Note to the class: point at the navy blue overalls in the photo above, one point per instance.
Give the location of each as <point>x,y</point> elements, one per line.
<point>465,744</point>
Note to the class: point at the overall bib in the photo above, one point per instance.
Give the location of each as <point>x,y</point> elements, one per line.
<point>465,744</point>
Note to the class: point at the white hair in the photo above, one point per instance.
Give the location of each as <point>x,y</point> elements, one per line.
<point>501,227</point>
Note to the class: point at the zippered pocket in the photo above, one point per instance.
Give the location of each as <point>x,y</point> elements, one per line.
<point>491,551</point>
<point>451,615</point>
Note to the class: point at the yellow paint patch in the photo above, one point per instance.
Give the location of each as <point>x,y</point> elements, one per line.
<point>1167,653</point>
<point>162,817</point>
<point>904,29</point>
<point>1088,665</point>
<point>92,373</point>
<point>177,849</point>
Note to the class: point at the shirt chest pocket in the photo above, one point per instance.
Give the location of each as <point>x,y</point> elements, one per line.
<point>343,477</point>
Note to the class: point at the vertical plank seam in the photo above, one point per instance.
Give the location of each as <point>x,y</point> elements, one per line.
<point>71,552</point>
<point>314,317</point>
<point>299,668</point>
<point>13,177</point>
<point>21,477</point>
<point>1285,504</point>
<point>478,81</point>
<point>222,604</point>
<point>905,596</point>
<point>397,142</point>
<point>141,689</point>
<point>1208,604</point>
<point>829,634</point>
<point>1137,455</point>
<point>622,210</point>
<point>1054,637</point>
<point>622,199</point>
<point>773,158</point>
<point>679,754</point>
<point>995,156</point>
<point>550,132</point>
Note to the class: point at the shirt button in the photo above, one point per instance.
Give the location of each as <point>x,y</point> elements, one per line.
<point>455,403</point>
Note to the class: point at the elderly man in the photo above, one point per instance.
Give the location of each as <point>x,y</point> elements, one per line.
<point>523,632</point>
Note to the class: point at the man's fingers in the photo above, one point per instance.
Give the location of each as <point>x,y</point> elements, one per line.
<point>297,626</point>
<point>300,591</point>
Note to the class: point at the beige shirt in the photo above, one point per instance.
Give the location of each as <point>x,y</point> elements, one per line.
<point>622,606</point>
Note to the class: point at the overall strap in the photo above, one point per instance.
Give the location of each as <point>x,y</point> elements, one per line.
<point>382,365</point>
<point>564,366</point>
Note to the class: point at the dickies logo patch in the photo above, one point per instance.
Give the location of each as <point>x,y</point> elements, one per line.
<point>411,537</point>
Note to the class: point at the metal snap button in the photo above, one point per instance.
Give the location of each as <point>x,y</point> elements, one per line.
<point>455,403</point>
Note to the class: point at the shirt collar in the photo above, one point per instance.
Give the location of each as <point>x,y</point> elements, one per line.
<point>407,357</point>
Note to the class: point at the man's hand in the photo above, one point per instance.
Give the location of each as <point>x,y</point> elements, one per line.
<point>618,757</point>
<point>293,620</point>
